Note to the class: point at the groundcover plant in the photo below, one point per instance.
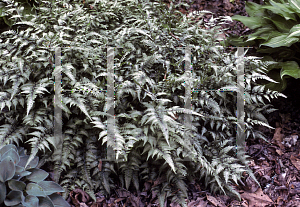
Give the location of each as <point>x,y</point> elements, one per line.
<point>150,43</point>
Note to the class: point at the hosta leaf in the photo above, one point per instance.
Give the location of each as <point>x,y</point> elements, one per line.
<point>280,41</point>
<point>251,22</point>
<point>280,9</point>
<point>290,68</point>
<point>7,169</point>
<point>50,187</point>
<point>254,9</point>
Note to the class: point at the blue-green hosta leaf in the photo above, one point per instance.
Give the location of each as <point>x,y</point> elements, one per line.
<point>37,175</point>
<point>280,41</point>
<point>6,148</point>
<point>7,169</point>
<point>13,198</point>
<point>50,187</point>
<point>12,154</point>
<point>45,202</point>
<point>16,185</point>
<point>58,201</point>
<point>31,201</point>
<point>35,190</point>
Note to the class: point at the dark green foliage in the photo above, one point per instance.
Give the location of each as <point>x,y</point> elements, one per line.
<point>276,25</point>
<point>24,185</point>
<point>149,97</point>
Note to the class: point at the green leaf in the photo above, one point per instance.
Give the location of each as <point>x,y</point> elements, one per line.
<point>280,41</point>
<point>28,9</point>
<point>295,31</point>
<point>262,33</point>
<point>2,7</point>
<point>8,21</point>
<point>280,9</point>
<point>282,25</point>
<point>281,86</point>
<point>254,9</point>
<point>31,201</point>
<point>290,68</point>
<point>251,22</point>
<point>238,41</point>
<point>295,5</point>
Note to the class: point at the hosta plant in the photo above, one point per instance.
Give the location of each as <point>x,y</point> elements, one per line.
<point>25,186</point>
<point>150,86</point>
<point>276,25</point>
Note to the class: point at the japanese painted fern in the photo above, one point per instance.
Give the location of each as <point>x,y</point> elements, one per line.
<point>149,96</point>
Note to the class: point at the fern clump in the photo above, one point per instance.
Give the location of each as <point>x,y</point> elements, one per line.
<point>150,86</point>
